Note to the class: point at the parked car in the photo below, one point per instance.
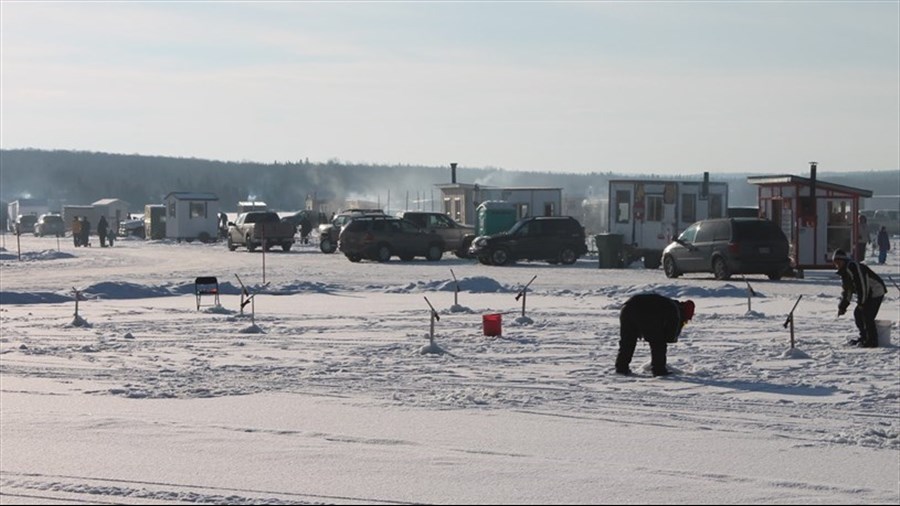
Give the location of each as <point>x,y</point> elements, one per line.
<point>555,239</point>
<point>134,227</point>
<point>25,223</point>
<point>315,218</point>
<point>330,232</point>
<point>50,224</point>
<point>728,246</point>
<point>457,237</point>
<point>381,237</point>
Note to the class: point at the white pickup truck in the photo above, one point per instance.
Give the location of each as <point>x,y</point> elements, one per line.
<point>260,228</point>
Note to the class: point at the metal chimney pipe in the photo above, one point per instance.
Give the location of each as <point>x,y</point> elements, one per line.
<point>453,172</point>
<point>812,179</point>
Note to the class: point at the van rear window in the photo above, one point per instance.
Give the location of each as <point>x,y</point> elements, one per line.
<point>759,230</point>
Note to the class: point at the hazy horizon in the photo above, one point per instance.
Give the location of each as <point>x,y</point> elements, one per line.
<point>627,87</point>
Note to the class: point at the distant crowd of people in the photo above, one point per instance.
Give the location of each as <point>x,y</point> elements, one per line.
<point>81,232</point>
<point>881,244</point>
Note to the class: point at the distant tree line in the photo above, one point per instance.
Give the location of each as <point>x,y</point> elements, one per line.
<point>81,177</point>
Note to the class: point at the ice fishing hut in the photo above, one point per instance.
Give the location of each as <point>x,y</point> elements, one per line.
<point>649,213</point>
<point>816,216</point>
<point>192,215</point>
<point>115,210</point>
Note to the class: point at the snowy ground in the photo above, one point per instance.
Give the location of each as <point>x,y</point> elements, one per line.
<point>326,395</point>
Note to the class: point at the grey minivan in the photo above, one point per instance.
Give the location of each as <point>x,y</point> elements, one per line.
<point>729,246</point>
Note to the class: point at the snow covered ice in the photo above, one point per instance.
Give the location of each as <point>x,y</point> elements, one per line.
<point>324,395</point>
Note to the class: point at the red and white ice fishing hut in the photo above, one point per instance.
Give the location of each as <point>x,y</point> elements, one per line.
<point>816,216</point>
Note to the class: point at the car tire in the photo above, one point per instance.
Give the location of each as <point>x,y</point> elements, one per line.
<point>353,257</point>
<point>775,276</point>
<point>286,246</point>
<point>383,253</point>
<point>434,253</point>
<point>463,251</point>
<point>484,260</point>
<point>720,269</point>
<point>231,245</point>
<point>670,268</point>
<point>567,256</point>
<point>651,260</point>
<point>327,245</point>
<point>500,256</point>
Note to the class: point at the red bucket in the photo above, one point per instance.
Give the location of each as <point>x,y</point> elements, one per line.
<point>492,324</point>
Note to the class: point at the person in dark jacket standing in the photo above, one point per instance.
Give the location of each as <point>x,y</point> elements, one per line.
<point>102,227</point>
<point>85,231</point>
<point>869,288</point>
<point>884,245</point>
<point>862,239</point>
<point>657,319</point>
<point>305,229</point>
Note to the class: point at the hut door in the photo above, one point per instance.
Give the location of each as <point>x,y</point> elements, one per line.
<point>840,226</point>
<point>806,231</point>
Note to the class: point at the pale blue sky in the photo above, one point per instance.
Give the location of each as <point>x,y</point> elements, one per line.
<point>659,87</point>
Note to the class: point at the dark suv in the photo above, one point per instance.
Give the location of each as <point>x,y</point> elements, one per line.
<point>729,246</point>
<point>329,232</point>
<point>381,237</point>
<point>457,236</point>
<point>556,239</point>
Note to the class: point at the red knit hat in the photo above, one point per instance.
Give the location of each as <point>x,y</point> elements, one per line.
<point>687,309</point>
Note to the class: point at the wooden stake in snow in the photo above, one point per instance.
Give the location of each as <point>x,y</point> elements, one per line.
<point>456,292</point>
<point>522,293</point>
<point>750,293</point>
<point>77,293</point>
<point>790,320</point>
<point>265,246</point>
<point>78,321</point>
<point>434,316</point>
<point>248,298</point>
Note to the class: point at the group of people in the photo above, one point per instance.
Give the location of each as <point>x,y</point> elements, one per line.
<point>882,240</point>
<point>81,232</point>
<point>658,319</point>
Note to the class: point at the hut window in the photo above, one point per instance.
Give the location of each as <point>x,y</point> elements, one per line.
<point>198,210</point>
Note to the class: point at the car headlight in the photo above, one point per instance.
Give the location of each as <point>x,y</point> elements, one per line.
<point>480,242</point>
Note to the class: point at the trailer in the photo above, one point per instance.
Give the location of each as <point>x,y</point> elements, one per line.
<point>650,213</point>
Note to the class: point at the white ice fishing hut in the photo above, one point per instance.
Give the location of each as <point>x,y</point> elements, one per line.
<point>192,215</point>
<point>650,213</point>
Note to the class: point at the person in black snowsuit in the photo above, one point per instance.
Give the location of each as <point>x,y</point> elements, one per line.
<point>223,225</point>
<point>305,229</point>
<point>102,227</point>
<point>869,288</point>
<point>85,232</point>
<point>657,319</point>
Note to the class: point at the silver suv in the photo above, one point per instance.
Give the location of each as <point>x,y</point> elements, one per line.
<point>50,224</point>
<point>329,232</point>
<point>457,237</point>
